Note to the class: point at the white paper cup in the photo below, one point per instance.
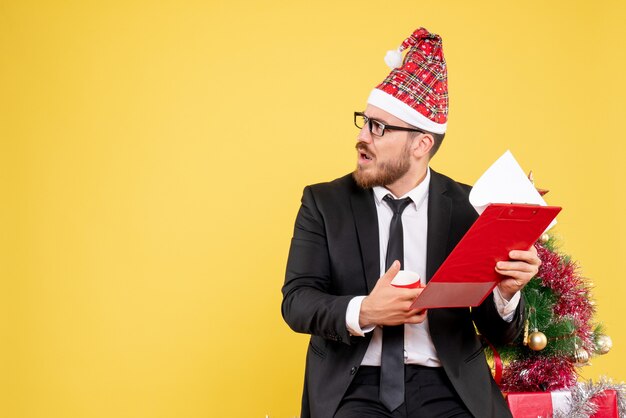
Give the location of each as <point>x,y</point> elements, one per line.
<point>406,279</point>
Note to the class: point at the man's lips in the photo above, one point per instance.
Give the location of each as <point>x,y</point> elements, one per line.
<point>364,153</point>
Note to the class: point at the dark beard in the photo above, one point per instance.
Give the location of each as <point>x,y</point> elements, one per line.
<point>387,173</point>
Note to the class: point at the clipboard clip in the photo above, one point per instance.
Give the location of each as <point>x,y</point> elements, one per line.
<point>519,211</point>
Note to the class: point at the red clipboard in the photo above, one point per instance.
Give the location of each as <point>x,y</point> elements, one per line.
<point>468,275</point>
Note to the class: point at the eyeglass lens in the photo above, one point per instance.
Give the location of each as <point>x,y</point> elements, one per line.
<point>375,127</point>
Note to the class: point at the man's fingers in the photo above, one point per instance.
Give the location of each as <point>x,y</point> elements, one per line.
<point>518,275</point>
<point>527,256</point>
<point>410,294</point>
<point>415,312</point>
<point>391,273</point>
<point>416,316</point>
<point>523,267</point>
<point>503,266</point>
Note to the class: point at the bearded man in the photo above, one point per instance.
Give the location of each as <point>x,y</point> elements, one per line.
<point>370,355</point>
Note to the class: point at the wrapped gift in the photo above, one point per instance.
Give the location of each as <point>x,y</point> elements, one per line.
<point>607,404</point>
<point>546,404</point>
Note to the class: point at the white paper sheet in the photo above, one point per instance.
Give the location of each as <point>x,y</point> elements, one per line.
<point>505,182</point>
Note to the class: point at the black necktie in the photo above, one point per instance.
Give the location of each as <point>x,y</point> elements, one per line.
<point>392,359</point>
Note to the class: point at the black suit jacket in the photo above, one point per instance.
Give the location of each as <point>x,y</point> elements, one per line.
<point>334,256</point>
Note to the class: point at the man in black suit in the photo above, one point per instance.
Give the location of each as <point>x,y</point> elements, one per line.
<point>347,235</point>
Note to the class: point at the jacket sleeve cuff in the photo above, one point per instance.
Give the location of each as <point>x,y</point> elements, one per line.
<point>352,317</point>
<point>505,308</point>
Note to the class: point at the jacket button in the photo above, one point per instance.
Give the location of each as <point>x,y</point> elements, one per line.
<point>353,370</point>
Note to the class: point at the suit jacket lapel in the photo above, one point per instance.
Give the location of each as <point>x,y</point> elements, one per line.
<point>439,216</point>
<point>366,222</point>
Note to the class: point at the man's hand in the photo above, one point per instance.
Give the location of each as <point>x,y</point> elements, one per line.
<point>522,267</point>
<point>389,305</point>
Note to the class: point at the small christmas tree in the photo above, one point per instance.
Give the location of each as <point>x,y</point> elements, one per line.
<point>559,333</point>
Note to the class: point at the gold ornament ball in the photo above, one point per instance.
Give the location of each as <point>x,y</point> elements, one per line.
<point>603,344</point>
<point>537,341</point>
<point>545,238</point>
<point>581,356</point>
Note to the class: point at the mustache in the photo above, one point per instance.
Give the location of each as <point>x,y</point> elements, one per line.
<point>362,147</point>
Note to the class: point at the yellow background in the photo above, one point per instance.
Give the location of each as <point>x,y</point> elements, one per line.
<point>154,154</point>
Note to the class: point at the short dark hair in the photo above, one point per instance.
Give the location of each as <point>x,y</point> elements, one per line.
<point>438,139</point>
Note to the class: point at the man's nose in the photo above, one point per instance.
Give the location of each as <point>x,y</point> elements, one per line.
<point>364,135</point>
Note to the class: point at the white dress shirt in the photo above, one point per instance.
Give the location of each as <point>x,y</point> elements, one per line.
<point>418,346</point>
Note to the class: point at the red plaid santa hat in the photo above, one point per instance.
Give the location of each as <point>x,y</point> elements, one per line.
<point>416,90</point>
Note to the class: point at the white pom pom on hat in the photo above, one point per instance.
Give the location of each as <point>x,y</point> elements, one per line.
<point>394,58</point>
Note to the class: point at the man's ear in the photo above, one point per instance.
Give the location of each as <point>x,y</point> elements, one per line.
<point>422,145</point>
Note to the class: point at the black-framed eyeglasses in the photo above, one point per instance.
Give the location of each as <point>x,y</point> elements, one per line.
<point>376,127</point>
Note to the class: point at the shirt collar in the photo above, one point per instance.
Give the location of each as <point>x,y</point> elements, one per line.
<point>417,194</point>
